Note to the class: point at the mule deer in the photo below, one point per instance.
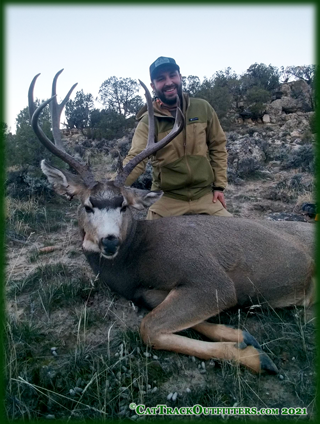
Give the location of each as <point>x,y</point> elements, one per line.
<point>185,269</point>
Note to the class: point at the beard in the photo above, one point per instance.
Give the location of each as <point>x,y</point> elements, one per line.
<point>169,101</point>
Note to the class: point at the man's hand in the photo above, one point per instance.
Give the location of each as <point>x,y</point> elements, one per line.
<point>218,195</point>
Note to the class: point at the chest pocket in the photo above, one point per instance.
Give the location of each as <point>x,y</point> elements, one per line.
<point>196,139</point>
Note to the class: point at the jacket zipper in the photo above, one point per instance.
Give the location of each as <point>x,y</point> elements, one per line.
<point>185,154</point>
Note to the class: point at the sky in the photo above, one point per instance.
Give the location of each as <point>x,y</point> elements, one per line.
<point>93,43</point>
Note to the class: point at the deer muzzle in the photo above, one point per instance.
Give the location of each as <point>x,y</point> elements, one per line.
<point>110,245</point>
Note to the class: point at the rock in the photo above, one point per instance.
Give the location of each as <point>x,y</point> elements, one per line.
<point>289,105</point>
<point>283,216</point>
<point>274,163</point>
<point>295,133</point>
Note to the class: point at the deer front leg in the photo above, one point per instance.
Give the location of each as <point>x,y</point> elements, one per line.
<point>187,307</point>
<point>220,332</point>
<point>250,357</point>
<point>217,332</point>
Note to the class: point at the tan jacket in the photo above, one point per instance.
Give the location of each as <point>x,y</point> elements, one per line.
<point>194,161</point>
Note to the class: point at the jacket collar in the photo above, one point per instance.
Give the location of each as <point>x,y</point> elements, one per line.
<point>163,112</point>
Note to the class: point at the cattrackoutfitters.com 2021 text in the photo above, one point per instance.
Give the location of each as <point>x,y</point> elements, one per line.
<point>207,410</point>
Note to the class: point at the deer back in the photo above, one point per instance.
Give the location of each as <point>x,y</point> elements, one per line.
<point>266,261</point>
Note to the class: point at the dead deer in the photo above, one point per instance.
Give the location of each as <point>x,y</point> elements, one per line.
<point>184,269</point>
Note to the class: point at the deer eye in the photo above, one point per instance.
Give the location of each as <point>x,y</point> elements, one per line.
<point>124,208</point>
<point>88,209</point>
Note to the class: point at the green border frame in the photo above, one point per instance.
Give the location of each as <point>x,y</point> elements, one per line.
<point>4,4</point>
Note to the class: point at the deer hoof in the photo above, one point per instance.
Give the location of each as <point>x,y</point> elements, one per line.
<point>241,345</point>
<point>250,340</point>
<point>267,364</point>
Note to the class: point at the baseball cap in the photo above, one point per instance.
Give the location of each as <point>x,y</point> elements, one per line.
<point>161,61</point>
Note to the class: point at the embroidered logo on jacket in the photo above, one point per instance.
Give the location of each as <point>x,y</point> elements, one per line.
<point>193,119</point>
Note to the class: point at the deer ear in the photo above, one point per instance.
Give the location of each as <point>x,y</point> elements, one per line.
<point>63,182</point>
<point>141,199</point>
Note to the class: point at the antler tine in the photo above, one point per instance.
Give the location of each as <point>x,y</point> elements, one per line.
<point>82,170</point>
<point>32,105</point>
<point>56,110</point>
<point>151,147</point>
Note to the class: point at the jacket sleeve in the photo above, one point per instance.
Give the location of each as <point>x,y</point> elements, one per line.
<point>139,143</point>
<point>216,140</point>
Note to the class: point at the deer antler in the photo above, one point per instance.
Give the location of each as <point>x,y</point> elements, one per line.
<point>56,110</point>
<point>151,147</point>
<point>56,148</point>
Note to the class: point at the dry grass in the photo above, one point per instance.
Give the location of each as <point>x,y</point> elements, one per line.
<point>25,217</point>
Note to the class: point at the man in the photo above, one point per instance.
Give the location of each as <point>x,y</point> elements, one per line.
<point>191,170</point>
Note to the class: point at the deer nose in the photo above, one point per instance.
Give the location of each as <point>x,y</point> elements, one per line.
<point>110,244</point>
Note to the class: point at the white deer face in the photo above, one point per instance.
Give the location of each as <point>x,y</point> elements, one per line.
<point>105,218</point>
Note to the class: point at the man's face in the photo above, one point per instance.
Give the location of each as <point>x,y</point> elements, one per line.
<point>167,85</point>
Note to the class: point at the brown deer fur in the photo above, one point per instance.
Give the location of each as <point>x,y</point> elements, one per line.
<point>190,268</point>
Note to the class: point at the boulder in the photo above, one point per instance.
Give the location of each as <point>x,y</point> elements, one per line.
<point>296,99</point>
<point>289,105</point>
